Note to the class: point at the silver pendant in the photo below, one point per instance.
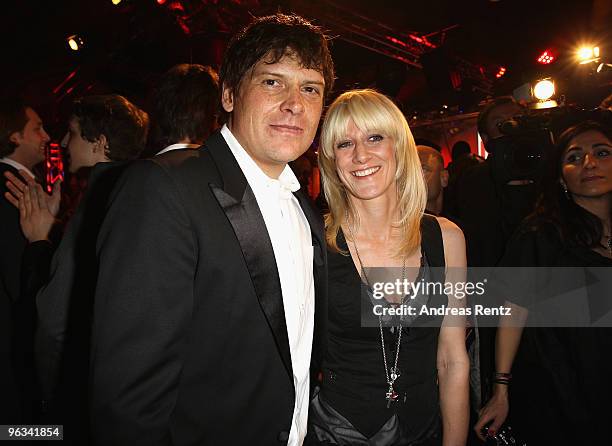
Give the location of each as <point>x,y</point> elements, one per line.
<point>391,396</point>
<point>394,374</point>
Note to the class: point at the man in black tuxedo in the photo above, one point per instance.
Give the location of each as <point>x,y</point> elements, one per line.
<point>22,145</point>
<point>212,281</point>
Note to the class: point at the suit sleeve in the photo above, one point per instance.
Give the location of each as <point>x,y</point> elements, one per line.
<point>12,244</point>
<point>142,309</point>
<point>56,275</point>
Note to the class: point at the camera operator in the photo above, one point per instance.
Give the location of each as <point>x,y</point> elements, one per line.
<point>502,188</point>
<point>494,196</point>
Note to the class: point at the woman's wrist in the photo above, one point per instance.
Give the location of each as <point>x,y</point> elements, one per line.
<point>500,389</point>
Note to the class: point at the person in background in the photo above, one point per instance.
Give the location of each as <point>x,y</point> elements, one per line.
<point>483,190</point>
<point>23,142</point>
<point>184,108</point>
<point>461,161</point>
<point>560,377</point>
<point>104,133</point>
<point>460,150</point>
<point>385,386</point>
<point>436,178</point>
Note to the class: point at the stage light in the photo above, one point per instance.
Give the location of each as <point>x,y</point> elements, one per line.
<point>546,57</point>
<point>588,54</point>
<point>75,42</point>
<point>500,72</point>
<point>115,2</point>
<point>603,66</point>
<point>544,89</point>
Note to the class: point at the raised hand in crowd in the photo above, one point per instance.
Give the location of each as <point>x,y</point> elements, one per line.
<point>37,209</point>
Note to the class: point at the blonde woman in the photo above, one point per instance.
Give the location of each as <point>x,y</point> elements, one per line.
<point>384,385</point>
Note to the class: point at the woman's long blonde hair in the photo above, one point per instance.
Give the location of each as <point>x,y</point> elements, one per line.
<point>372,111</point>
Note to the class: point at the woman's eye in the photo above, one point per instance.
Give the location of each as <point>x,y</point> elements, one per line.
<point>375,138</point>
<point>343,144</point>
<point>572,158</point>
<point>603,153</point>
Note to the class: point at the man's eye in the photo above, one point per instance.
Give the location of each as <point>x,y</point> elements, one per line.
<point>311,90</point>
<point>270,82</point>
<point>603,153</point>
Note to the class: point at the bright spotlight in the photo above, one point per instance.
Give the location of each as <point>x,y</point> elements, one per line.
<point>588,54</point>
<point>75,42</point>
<point>544,89</point>
<point>115,2</point>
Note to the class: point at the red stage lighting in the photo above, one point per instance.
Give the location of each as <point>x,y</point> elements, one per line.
<point>500,72</point>
<point>54,164</point>
<point>546,57</point>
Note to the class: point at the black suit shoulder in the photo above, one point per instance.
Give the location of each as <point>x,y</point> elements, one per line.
<point>12,244</point>
<point>12,241</point>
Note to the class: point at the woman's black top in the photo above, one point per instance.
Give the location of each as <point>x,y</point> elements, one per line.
<point>354,381</point>
<point>562,377</point>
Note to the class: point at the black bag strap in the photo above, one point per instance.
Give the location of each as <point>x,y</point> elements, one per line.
<point>431,241</point>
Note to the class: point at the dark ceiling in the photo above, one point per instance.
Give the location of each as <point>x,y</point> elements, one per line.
<point>128,45</point>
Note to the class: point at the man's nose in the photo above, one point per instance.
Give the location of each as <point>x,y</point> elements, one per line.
<point>294,102</point>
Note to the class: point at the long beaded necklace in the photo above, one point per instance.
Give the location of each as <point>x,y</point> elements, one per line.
<point>393,374</point>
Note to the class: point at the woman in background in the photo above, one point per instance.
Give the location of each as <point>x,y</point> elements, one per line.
<point>561,384</point>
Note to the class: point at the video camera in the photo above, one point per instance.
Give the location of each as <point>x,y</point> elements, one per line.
<point>519,154</point>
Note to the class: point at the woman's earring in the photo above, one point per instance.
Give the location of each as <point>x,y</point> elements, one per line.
<point>565,191</point>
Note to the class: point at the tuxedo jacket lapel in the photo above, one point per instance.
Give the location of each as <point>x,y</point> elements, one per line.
<point>240,206</point>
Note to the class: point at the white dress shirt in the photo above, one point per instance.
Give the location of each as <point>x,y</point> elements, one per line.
<point>289,233</point>
<point>178,146</point>
<point>16,165</point>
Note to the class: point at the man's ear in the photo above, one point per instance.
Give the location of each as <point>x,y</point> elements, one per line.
<point>444,177</point>
<point>15,138</point>
<point>227,99</point>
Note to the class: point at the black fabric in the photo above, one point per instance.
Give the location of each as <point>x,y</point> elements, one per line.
<point>489,213</point>
<point>16,317</point>
<point>185,346</point>
<point>561,388</point>
<point>64,307</point>
<point>354,382</point>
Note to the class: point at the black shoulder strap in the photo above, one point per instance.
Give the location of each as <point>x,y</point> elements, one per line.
<point>432,243</point>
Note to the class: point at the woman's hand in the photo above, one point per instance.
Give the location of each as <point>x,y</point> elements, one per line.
<point>37,209</point>
<point>17,185</point>
<point>34,216</point>
<point>494,413</point>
